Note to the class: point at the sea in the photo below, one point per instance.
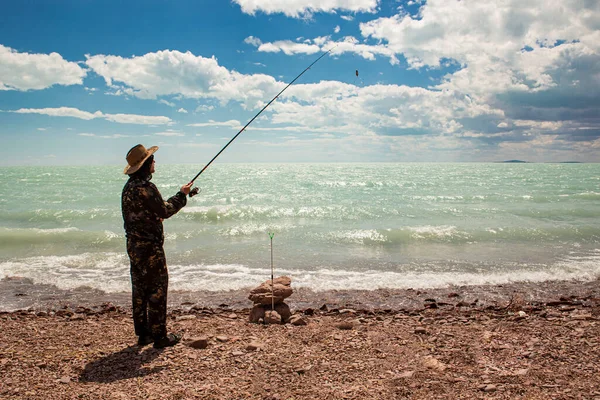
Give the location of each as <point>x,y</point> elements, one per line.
<point>333,226</point>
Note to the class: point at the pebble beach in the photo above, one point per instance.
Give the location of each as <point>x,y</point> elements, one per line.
<point>525,341</point>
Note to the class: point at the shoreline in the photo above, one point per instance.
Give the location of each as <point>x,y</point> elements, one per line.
<point>22,294</point>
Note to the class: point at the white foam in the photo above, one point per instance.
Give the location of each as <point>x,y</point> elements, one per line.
<point>105,271</point>
<point>110,272</point>
<point>443,231</point>
<point>55,230</point>
<point>254,228</point>
<point>356,236</point>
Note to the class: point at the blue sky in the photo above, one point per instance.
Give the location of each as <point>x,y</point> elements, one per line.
<point>81,82</point>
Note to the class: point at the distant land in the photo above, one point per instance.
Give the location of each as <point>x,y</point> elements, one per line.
<point>529,162</point>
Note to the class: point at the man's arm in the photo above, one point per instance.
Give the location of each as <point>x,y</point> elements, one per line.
<point>165,209</point>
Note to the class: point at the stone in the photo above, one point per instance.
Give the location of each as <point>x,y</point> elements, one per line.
<point>222,338</point>
<point>198,343</point>
<point>272,317</point>
<point>284,311</point>
<point>254,345</point>
<point>257,314</point>
<point>302,370</point>
<point>582,316</point>
<point>65,379</point>
<point>420,330</point>
<point>297,320</point>
<point>489,388</point>
<point>185,318</point>
<point>345,326</point>
<point>433,363</point>
<point>521,372</point>
<point>266,295</point>
<point>406,374</point>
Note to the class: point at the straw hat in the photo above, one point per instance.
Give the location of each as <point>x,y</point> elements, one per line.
<point>136,157</point>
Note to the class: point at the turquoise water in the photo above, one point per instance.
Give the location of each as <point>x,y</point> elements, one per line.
<point>337,226</point>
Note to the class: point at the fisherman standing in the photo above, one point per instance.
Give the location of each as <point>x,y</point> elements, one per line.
<point>143,212</point>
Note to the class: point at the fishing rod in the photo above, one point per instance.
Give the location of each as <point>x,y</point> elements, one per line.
<point>195,190</point>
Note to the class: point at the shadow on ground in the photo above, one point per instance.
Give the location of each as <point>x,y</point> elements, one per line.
<point>123,364</point>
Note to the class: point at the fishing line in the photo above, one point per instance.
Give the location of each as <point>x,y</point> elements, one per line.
<point>195,190</point>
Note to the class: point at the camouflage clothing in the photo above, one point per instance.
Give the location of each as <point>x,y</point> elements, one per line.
<point>143,211</point>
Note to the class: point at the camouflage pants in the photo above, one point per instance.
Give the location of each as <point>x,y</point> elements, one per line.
<point>149,282</point>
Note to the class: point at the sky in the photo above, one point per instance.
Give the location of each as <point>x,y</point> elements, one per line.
<point>81,82</point>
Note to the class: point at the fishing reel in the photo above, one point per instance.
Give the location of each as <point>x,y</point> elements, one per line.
<point>194,192</point>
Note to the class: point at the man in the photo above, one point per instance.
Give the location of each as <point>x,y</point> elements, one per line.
<point>143,212</point>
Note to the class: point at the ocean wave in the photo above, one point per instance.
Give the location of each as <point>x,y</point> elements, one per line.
<point>219,213</point>
<point>40,216</point>
<point>104,271</point>
<point>453,235</point>
<point>110,272</point>
<point>253,228</point>
<point>588,195</point>
<point>11,238</point>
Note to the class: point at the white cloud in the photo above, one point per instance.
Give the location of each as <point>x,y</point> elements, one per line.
<point>182,110</point>
<point>253,41</point>
<point>337,29</point>
<point>231,123</point>
<point>165,102</point>
<point>41,129</point>
<point>167,73</point>
<point>137,119</point>
<point>170,132</point>
<point>25,71</point>
<point>301,8</point>
<point>204,107</point>
<point>487,37</point>
<point>514,64</point>
<point>347,17</point>
<point>196,145</point>
<point>289,47</point>
<point>347,45</point>
<point>115,136</point>
<point>76,113</point>
<point>61,112</point>
<point>378,109</point>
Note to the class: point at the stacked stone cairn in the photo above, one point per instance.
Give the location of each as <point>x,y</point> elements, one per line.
<point>264,296</point>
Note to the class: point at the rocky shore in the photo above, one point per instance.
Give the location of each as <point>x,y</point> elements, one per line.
<point>436,344</point>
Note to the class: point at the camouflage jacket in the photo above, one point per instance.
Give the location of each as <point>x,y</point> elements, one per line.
<point>144,209</point>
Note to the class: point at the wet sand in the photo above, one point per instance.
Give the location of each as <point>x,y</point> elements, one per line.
<point>21,294</point>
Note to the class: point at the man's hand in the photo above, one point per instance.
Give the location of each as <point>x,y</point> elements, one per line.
<point>185,189</point>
